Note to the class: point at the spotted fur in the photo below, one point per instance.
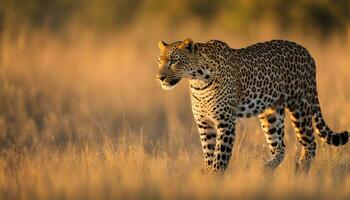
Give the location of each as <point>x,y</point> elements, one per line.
<point>260,80</point>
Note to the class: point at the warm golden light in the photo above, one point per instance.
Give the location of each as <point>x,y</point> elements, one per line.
<point>82,116</point>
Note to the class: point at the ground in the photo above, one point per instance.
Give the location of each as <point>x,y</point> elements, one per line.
<point>82,119</point>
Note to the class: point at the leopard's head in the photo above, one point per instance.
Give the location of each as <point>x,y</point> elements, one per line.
<point>176,61</point>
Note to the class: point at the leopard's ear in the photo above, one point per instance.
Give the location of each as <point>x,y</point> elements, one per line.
<point>188,44</point>
<point>162,45</point>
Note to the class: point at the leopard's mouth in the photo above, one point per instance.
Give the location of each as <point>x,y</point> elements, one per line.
<point>169,84</point>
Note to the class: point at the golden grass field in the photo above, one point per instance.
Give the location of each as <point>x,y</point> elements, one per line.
<point>83,117</point>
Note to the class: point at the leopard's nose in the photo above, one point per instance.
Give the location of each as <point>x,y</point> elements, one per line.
<point>161,77</point>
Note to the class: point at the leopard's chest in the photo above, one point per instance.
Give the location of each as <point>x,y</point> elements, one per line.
<point>213,101</point>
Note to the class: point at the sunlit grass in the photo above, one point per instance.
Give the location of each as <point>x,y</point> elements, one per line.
<point>82,117</point>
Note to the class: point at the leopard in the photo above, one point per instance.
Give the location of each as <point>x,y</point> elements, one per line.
<point>265,79</point>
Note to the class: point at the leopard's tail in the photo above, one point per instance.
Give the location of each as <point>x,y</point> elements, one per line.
<point>325,133</point>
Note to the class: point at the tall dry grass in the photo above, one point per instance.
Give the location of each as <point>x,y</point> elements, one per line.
<point>82,117</point>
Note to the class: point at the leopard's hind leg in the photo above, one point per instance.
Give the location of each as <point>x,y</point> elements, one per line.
<point>272,122</point>
<point>301,115</point>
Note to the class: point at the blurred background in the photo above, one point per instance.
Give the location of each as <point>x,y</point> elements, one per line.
<point>81,109</point>
<point>323,18</point>
<point>73,68</point>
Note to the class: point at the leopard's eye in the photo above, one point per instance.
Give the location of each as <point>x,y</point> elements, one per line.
<point>171,62</point>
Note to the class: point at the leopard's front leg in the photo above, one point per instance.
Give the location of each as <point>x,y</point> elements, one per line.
<point>207,134</point>
<point>225,127</point>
